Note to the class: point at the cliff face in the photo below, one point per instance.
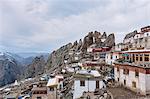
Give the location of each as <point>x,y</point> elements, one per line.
<point>57,57</point>
<point>110,40</point>
<point>9,69</point>
<point>35,68</point>
<point>87,41</point>
<point>97,37</point>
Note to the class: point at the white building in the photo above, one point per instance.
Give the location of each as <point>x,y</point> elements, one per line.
<point>111,57</point>
<point>134,71</point>
<point>142,39</point>
<point>114,54</point>
<point>85,82</point>
<point>137,40</point>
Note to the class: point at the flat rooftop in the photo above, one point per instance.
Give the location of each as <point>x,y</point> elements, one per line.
<point>145,65</point>
<point>39,89</point>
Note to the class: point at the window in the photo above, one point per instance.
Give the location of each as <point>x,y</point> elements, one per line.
<point>39,98</point>
<point>146,56</point>
<point>126,71</point>
<point>136,73</point>
<point>118,69</point>
<point>97,84</point>
<point>136,57</point>
<point>141,57</point>
<point>51,89</point>
<point>60,86</point>
<point>96,55</point>
<point>134,84</point>
<point>133,58</point>
<point>118,79</point>
<point>82,83</point>
<point>124,82</point>
<point>111,57</point>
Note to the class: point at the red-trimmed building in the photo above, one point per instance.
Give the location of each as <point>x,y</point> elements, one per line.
<point>133,71</point>
<point>100,53</point>
<point>133,68</point>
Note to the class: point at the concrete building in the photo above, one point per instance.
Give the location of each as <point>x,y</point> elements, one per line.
<point>133,71</point>
<point>114,54</point>
<point>52,88</point>
<point>137,40</point>
<point>86,82</point>
<point>39,93</point>
<point>111,57</point>
<point>142,39</point>
<point>100,53</point>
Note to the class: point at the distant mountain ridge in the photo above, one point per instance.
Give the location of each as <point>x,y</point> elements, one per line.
<point>31,54</point>
<point>33,66</point>
<point>13,65</point>
<point>9,68</point>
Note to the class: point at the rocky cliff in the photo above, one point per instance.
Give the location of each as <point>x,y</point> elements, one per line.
<point>13,66</point>
<point>67,52</point>
<point>37,67</point>
<point>57,57</point>
<point>10,69</point>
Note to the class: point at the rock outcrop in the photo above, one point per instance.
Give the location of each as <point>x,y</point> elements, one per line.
<point>87,41</point>
<point>104,36</point>
<point>110,41</point>
<point>67,52</point>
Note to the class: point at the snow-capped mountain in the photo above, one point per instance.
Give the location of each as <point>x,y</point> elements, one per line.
<point>13,65</point>
<point>10,56</point>
<point>9,68</point>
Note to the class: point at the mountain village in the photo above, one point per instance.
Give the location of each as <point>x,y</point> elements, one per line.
<point>98,70</point>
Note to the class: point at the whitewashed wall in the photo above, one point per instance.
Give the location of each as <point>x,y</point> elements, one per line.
<point>142,82</point>
<point>78,90</point>
<point>148,83</point>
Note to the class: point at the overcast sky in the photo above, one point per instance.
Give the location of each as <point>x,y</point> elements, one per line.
<point>45,25</point>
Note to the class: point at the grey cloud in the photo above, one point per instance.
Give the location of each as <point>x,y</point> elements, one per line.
<point>28,24</point>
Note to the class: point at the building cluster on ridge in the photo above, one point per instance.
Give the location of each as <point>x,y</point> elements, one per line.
<point>90,68</point>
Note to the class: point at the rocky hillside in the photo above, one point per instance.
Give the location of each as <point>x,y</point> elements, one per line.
<point>12,66</point>
<point>57,57</point>
<point>35,68</point>
<point>9,68</point>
